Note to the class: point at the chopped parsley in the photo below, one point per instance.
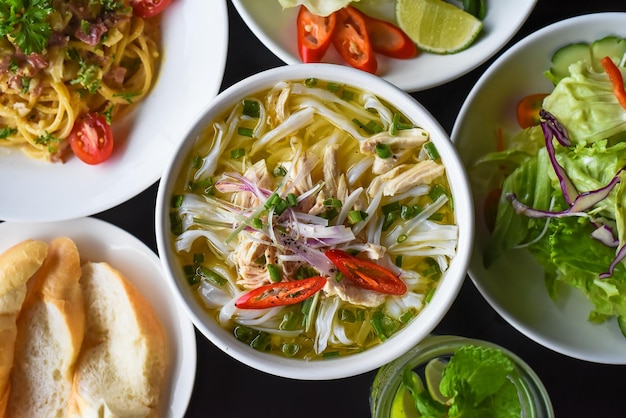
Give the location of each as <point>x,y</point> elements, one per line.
<point>26,21</point>
<point>6,132</point>
<point>49,140</point>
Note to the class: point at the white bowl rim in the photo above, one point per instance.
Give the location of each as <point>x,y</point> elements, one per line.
<point>429,317</point>
<point>546,341</point>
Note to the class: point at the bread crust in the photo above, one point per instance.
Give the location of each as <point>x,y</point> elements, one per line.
<point>50,327</point>
<point>17,266</point>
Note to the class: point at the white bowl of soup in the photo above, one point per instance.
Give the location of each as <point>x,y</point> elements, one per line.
<point>316,222</point>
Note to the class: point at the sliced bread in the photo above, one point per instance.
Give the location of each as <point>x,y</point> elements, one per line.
<point>17,266</point>
<point>121,367</point>
<point>50,332</point>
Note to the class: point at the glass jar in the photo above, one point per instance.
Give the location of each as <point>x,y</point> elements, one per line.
<point>533,396</point>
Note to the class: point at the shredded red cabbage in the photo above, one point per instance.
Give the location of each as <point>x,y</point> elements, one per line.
<point>554,129</point>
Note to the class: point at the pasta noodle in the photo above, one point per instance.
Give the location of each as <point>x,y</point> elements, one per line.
<point>103,61</point>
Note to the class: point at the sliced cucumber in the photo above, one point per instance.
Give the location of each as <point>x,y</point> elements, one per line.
<point>565,56</point>
<point>612,46</point>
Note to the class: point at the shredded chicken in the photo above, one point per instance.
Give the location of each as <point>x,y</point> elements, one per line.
<point>404,177</point>
<point>402,146</point>
<point>353,294</point>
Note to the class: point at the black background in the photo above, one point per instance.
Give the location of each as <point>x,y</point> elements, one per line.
<point>226,388</point>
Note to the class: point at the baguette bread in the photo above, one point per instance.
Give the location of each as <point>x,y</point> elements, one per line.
<point>17,266</point>
<point>121,368</point>
<point>50,328</point>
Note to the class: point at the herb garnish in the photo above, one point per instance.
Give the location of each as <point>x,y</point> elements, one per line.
<point>26,23</point>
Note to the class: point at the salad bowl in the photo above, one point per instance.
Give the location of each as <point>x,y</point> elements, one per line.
<point>199,289</point>
<point>552,313</point>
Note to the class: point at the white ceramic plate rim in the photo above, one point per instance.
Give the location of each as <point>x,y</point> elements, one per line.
<point>562,327</point>
<point>98,241</point>
<point>195,35</point>
<point>376,356</point>
<point>276,29</point>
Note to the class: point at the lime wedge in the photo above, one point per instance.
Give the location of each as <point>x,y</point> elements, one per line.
<point>436,26</point>
<point>432,375</point>
<point>403,405</point>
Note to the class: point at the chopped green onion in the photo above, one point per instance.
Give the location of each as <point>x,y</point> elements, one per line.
<point>355,216</point>
<point>245,131</point>
<point>383,150</point>
<point>396,125</point>
<point>176,224</point>
<point>251,108</point>
<point>196,162</point>
<point>211,276</point>
<point>279,171</point>
<point>360,314</point>
<point>402,238</point>
<point>406,317</point>
<point>374,126</point>
<point>205,184</point>
<point>310,82</point>
<point>332,203</point>
<point>384,326</point>
<point>332,87</point>
<point>347,95</point>
<point>346,315</point>
<point>429,295</point>
<point>190,273</point>
<point>437,217</point>
<point>390,208</point>
<point>237,153</point>
<point>257,223</point>
<point>271,200</point>
<point>409,212</point>
<point>261,342</point>
<point>292,200</point>
<point>431,150</point>
<point>276,275</point>
<point>198,258</point>
<point>289,349</point>
<point>177,201</point>
<point>245,334</point>
<point>291,321</point>
<point>330,354</point>
<point>339,277</point>
<point>304,272</point>
<point>436,191</point>
<point>399,260</point>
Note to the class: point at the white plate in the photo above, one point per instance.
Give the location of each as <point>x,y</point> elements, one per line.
<point>276,28</point>
<point>514,286</point>
<point>195,39</point>
<point>98,240</point>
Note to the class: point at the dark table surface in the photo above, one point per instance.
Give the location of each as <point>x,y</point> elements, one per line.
<point>226,388</point>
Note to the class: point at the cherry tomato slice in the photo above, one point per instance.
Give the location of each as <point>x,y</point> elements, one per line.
<point>149,8</point>
<point>388,39</point>
<point>314,34</point>
<point>281,293</point>
<point>91,138</point>
<point>528,110</point>
<point>351,40</point>
<point>366,274</point>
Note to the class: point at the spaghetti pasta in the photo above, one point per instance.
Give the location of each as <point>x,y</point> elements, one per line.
<point>99,57</point>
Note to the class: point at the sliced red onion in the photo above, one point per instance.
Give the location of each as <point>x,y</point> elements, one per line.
<point>553,128</point>
<point>604,234</point>
<point>584,201</point>
<point>621,253</point>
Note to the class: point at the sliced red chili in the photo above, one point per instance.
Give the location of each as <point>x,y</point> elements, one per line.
<point>366,274</point>
<point>314,34</point>
<point>281,293</point>
<point>388,39</point>
<point>351,40</point>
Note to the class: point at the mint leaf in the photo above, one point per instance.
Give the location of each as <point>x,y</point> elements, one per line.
<point>472,375</point>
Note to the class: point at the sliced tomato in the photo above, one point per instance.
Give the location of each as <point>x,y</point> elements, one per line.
<point>91,138</point>
<point>149,8</point>
<point>388,39</point>
<point>351,40</point>
<point>366,274</point>
<point>281,293</point>
<point>528,110</point>
<point>314,34</point>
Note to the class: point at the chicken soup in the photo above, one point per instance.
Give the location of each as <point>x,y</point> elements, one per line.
<point>313,220</point>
